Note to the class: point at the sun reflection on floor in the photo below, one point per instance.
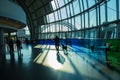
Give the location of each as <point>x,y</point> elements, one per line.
<point>50,60</point>
<point>37,46</point>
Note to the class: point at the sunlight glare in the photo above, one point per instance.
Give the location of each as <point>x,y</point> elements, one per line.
<point>53,62</point>
<point>37,46</point>
<point>50,60</point>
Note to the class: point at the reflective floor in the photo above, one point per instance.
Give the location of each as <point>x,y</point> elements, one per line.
<point>40,62</point>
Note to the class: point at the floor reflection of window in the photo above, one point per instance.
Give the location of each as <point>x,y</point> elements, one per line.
<point>49,58</point>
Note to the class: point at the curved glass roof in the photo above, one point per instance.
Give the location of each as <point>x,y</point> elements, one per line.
<point>84,18</point>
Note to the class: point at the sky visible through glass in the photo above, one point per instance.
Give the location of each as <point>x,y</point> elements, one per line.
<point>67,11</point>
<point>111,11</point>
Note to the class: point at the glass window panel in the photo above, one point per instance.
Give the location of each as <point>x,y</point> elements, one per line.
<point>51,17</point>
<point>56,3</point>
<point>91,2</point>
<point>81,5</point>
<point>47,18</point>
<point>72,24</point>
<point>68,34</point>
<point>66,21</point>
<point>71,10</point>
<point>68,11</point>
<point>52,27</point>
<point>66,1</point>
<point>112,10</point>
<point>53,4</point>
<point>82,21</point>
<point>82,34</point>
<point>77,34</point>
<point>87,34</point>
<point>66,27</point>
<point>77,22</point>
<point>85,4</point>
<point>69,21</point>
<point>46,29</point>
<point>76,7</point>
<point>86,20</point>
<point>59,13</point>
<point>61,3</point>
<point>93,18</point>
<point>41,29</point>
<point>69,0</point>
<point>63,13</point>
<point>102,10</point>
<point>56,15</point>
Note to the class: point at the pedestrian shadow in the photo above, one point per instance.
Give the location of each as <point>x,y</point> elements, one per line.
<point>60,58</point>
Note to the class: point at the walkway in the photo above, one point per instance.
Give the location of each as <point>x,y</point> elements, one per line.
<point>39,62</point>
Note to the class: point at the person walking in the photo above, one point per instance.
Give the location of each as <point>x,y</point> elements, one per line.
<point>19,46</point>
<point>56,40</point>
<point>11,47</point>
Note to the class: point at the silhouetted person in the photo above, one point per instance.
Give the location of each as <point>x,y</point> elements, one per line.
<point>11,46</point>
<point>92,48</point>
<point>56,40</point>
<point>19,46</point>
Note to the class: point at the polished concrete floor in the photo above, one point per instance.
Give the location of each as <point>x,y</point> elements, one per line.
<point>40,62</point>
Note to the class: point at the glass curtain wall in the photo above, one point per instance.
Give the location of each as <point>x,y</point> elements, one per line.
<point>82,19</point>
